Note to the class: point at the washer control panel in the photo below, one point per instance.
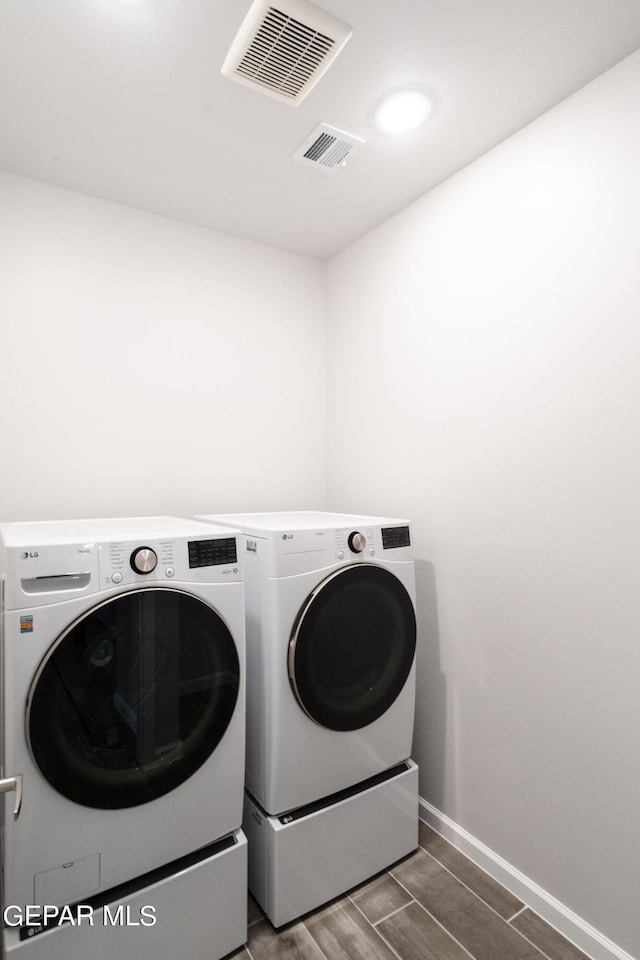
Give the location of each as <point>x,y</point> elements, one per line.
<point>206,560</point>
<point>143,560</point>
<point>212,553</point>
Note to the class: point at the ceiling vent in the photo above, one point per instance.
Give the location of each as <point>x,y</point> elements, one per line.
<point>283,50</point>
<point>328,148</point>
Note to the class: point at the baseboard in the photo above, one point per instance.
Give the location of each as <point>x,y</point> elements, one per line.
<point>564,920</point>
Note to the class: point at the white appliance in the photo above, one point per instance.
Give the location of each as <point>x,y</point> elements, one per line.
<point>195,908</point>
<point>123,698</point>
<point>331,634</point>
<point>306,857</point>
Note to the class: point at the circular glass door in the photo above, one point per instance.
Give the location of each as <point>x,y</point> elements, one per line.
<point>133,698</point>
<point>352,647</point>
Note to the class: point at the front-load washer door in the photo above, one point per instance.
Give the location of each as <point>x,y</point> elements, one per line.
<point>132,698</point>
<point>352,647</point>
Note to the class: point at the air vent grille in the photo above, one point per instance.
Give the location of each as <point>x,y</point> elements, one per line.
<point>328,148</point>
<point>284,54</point>
<point>283,51</point>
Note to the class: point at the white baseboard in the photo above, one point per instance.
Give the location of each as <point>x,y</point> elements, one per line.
<point>564,920</point>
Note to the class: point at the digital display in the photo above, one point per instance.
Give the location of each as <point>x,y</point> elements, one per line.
<point>212,553</point>
<point>395,537</point>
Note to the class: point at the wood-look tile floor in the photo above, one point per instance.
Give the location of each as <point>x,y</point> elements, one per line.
<point>433,905</point>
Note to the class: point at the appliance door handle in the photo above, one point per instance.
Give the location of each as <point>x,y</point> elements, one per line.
<point>14,784</point>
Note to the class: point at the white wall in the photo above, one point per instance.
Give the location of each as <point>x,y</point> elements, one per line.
<point>151,367</point>
<point>484,380</point>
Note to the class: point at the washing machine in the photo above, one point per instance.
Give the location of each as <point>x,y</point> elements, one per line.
<point>123,701</point>
<point>332,794</point>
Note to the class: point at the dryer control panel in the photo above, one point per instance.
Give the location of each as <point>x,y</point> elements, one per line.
<point>395,537</point>
<point>370,541</point>
<point>296,551</point>
<point>355,544</point>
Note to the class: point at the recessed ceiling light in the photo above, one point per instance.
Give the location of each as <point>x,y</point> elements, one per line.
<point>403,111</point>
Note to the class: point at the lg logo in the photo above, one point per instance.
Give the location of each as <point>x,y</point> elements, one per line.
<point>287,536</point>
<point>26,555</point>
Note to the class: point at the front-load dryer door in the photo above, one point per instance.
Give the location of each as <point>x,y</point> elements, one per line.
<point>132,698</point>
<point>352,647</point>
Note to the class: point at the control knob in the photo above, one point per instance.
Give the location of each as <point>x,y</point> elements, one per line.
<point>357,542</point>
<point>144,560</point>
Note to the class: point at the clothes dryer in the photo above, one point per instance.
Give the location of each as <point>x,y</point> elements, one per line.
<point>123,703</point>
<point>331,637</point>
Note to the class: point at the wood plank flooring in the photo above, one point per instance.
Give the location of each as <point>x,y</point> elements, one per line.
<point>433,905</point>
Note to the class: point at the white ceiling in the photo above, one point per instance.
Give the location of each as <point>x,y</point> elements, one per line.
<point>124,100</point>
